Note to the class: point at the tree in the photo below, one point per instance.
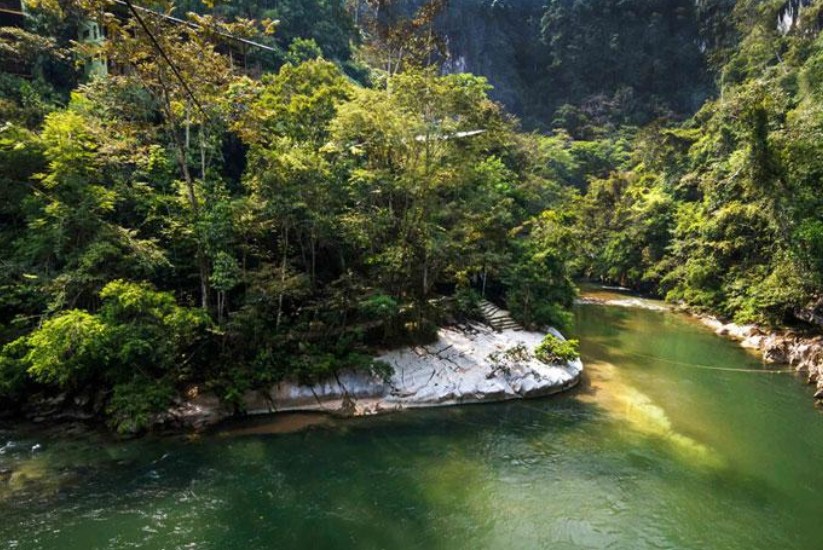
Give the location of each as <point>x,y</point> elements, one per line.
<point>138,344</point>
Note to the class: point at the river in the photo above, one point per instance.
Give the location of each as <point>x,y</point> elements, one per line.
<point>677,439</point>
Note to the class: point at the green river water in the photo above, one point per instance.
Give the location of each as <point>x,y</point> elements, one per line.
<point>656,449</point>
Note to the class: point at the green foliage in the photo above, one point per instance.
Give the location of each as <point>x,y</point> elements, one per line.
<point>67,350</point>
<point>326,24</point>
<point>13,375</point>
<point>617,62</point>
<point>588,65</point>
<point>538,287</point>
<point>722,213</point>
<point>26,102</point>
<point>467,302</point>
<point>137,344</point>
<point>379,306</point>
<point>310,220</point>
<point>556,350</point>
<point>302,50</point>
<point>147,330</point>
<point>300,101</point>
<point>134,404</point>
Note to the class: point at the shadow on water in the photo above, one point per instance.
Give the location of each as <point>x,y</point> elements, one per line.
<point>426,473</point>
<point>329,486</point>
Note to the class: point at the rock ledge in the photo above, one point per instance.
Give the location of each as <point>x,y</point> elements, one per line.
<point>804,353</point>
<point>460,367</point>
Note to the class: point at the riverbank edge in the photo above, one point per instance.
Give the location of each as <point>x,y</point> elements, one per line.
<point>780,346</point>
<point>774,346</point>
<point>455,370</point>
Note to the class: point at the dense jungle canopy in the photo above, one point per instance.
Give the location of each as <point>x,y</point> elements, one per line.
<point>254,191</point>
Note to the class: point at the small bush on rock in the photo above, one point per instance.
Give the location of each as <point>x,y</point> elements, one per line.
<point>554,350</point>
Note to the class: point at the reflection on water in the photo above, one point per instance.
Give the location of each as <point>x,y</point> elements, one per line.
<point>276,424</point>
<point>647,453</point>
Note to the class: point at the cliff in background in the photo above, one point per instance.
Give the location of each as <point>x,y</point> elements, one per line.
<point>612,61</point>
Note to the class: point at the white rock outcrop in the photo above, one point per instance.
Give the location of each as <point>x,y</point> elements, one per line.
<point>466,364</point>
<point>458,368</point>
<point>804,353</point>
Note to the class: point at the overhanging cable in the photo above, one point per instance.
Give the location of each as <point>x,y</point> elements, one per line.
<point>165,57</point>
<point>697,365</point>
<point>192,25</point>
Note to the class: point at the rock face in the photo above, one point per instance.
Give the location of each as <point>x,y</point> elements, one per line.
<point>466,364</point>
<point>630,302</point>
<point>805,354</point>
<point>195,413</point>
<point>477,364</point>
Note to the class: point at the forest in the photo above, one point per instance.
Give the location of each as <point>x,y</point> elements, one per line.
<point>256,192</point>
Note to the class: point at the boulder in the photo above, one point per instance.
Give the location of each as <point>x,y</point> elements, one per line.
<point>775,350</point>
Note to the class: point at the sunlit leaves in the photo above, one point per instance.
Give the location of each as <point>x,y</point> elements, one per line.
<point>66,349</point>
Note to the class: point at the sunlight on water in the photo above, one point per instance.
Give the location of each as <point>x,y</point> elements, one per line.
<point>638,411</point>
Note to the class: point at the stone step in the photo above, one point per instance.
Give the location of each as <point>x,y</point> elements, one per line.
<point>506,324</point>
<point>498,319</point>
<point>505,321</point>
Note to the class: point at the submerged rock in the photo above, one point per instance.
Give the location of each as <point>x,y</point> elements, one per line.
<point>198,412</point>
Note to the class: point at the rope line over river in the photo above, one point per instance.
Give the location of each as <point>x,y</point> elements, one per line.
<point>698,366</point>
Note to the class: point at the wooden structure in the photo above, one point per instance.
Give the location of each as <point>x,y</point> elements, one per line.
<point>11,13</point>
<point>89,32</point>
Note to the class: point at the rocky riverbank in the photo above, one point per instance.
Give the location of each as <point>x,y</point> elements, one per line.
<point>804,353</point>
<point>781,347</point>
<point>467,364</point>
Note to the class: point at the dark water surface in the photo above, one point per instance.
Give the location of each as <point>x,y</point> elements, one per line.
<point>658,450</point>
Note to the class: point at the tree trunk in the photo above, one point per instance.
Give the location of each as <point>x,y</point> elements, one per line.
<point>282,278</point>
<point>313,259</point>
<point>425,273</point>
<point>202,264</point>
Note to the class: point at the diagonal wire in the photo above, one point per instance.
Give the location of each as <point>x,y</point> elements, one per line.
<point>179,21</point>
<point>165,56</point>
<point>697,365</point>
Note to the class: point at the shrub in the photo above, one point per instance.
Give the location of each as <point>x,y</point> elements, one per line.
<point>467,303</point>
<point>134,404</point>
<point>137,344</point>
<point>555,350</point>
<point>502,361</point>
<point>12,371</point>
<point>380,306</point>
<point>66,350</point>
